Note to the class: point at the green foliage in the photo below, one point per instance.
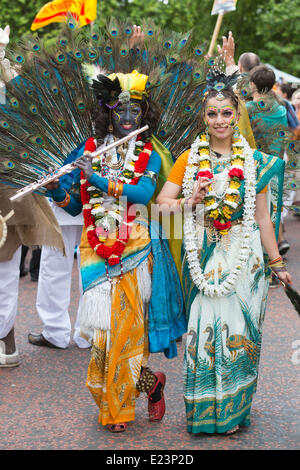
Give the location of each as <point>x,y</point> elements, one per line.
<point>270,28</point>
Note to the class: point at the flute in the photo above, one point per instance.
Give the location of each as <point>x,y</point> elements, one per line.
<point>71,166</point>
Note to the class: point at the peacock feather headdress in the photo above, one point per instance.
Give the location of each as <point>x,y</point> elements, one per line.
<point>217,80</point>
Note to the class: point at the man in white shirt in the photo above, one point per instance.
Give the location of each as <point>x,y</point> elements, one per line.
<point>54,287</point>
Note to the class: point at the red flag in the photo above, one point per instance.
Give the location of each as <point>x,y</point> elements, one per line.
<point>83,11</point>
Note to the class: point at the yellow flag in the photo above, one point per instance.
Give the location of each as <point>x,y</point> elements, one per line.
<point>83,11</point>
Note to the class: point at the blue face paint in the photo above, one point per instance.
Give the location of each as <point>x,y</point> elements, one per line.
<point>126,118</point>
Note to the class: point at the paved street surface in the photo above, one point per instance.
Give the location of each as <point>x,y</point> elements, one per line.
<point>44,403</point>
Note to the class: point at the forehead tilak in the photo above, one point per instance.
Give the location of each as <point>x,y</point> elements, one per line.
<point>215,108</point>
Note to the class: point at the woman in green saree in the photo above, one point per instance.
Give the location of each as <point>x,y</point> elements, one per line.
<point>267,116</point>
<point>229,247</point>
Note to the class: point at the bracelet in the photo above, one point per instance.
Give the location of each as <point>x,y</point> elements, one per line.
<point>275,260</point>
<point>182,202</point>
<point>65,202</point>
<point>118,189</point>
<point>280,264</point>
<point>280,269</point>
<point>111,188</point>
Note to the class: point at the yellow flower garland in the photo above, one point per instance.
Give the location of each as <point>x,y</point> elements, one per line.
<point>224,210</point>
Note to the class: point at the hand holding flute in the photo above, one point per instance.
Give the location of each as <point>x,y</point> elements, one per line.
<point>52,181</point>
<point>83,163</point>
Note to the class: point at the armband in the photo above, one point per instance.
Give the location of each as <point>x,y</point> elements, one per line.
<point>65,202</point>
<point>152,175</point>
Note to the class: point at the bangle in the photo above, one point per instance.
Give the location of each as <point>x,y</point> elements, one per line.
<point>111,188</point>
<point>65,201</point>
<point>277,264</point>
<point>278,269</point>
<point>118,190</point>
<point>182,202</point>
<point>276,260</point>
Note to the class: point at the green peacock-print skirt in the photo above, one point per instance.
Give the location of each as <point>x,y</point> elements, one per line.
<point>224,342</point>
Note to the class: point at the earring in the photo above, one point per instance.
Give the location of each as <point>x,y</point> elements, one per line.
<point>206,132</point>
<point>236,132</point>
<point>110,126</point>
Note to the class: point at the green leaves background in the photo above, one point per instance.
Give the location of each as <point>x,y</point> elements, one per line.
<point>270,28</point>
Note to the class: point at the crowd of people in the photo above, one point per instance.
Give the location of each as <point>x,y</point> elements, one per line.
<point>133,301</point>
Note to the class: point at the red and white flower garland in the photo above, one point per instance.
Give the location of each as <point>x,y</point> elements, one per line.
<point>221,211</point>
<point>191,246</point>
<point>131,173</point>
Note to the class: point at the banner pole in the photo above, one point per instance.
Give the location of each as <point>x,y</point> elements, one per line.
<point>215,34</point>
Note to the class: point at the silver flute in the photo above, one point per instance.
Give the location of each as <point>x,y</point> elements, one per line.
<point>71,166</point>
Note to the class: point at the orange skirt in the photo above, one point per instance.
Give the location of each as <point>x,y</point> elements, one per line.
<point>118,354</point>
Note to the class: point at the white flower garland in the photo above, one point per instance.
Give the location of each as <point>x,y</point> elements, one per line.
<point>191,247</point>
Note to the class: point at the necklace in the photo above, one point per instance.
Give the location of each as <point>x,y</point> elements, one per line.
<point>116,160</point>
<point>219,160</point>
<point>100,221</point>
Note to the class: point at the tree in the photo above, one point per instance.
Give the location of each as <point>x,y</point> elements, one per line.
<point>269,28</point>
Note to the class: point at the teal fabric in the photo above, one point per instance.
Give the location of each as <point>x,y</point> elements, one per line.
<point>268,120</point>
<point>167,320</point>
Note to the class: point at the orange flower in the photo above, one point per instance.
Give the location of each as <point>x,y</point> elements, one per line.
<point>205,164</point>
<point>213,214</point>
<point>234,184</point>
<point>231,197</point>
<point>209,202</point>
<point>227,212</point>
<point>238,161</point>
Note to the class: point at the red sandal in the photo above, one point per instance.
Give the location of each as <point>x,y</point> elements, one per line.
<point>157,410</point>
<point>118,427</point>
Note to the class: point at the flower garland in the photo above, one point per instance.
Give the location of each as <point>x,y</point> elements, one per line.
<point>221,212</point>
<point>242,167</point>
<point>97,219</point>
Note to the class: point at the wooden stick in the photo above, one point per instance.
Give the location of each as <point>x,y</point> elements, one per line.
<point>215,34</point>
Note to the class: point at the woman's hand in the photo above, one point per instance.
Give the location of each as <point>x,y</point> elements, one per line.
<point>285,277</point>
<point>85,164</point>
<point>199,191</point>
<point>227,50</point>
<point>137,38</point>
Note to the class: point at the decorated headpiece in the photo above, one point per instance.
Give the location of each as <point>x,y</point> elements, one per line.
<point>219,81</point>
<point>135,83</point>
<point>119,87</point>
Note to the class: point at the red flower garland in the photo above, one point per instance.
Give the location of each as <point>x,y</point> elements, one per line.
<point>204,174</point>
<point>236,172</point>
<point>222,226</point>
<point>113,253</point>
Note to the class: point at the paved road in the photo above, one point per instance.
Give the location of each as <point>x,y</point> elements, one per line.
<point>44,403</point>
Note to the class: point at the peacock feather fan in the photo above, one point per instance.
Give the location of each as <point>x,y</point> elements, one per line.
<point>49,105</point>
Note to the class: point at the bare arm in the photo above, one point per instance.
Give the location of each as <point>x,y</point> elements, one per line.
<point>267,233</point>
<point>168,197</point>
